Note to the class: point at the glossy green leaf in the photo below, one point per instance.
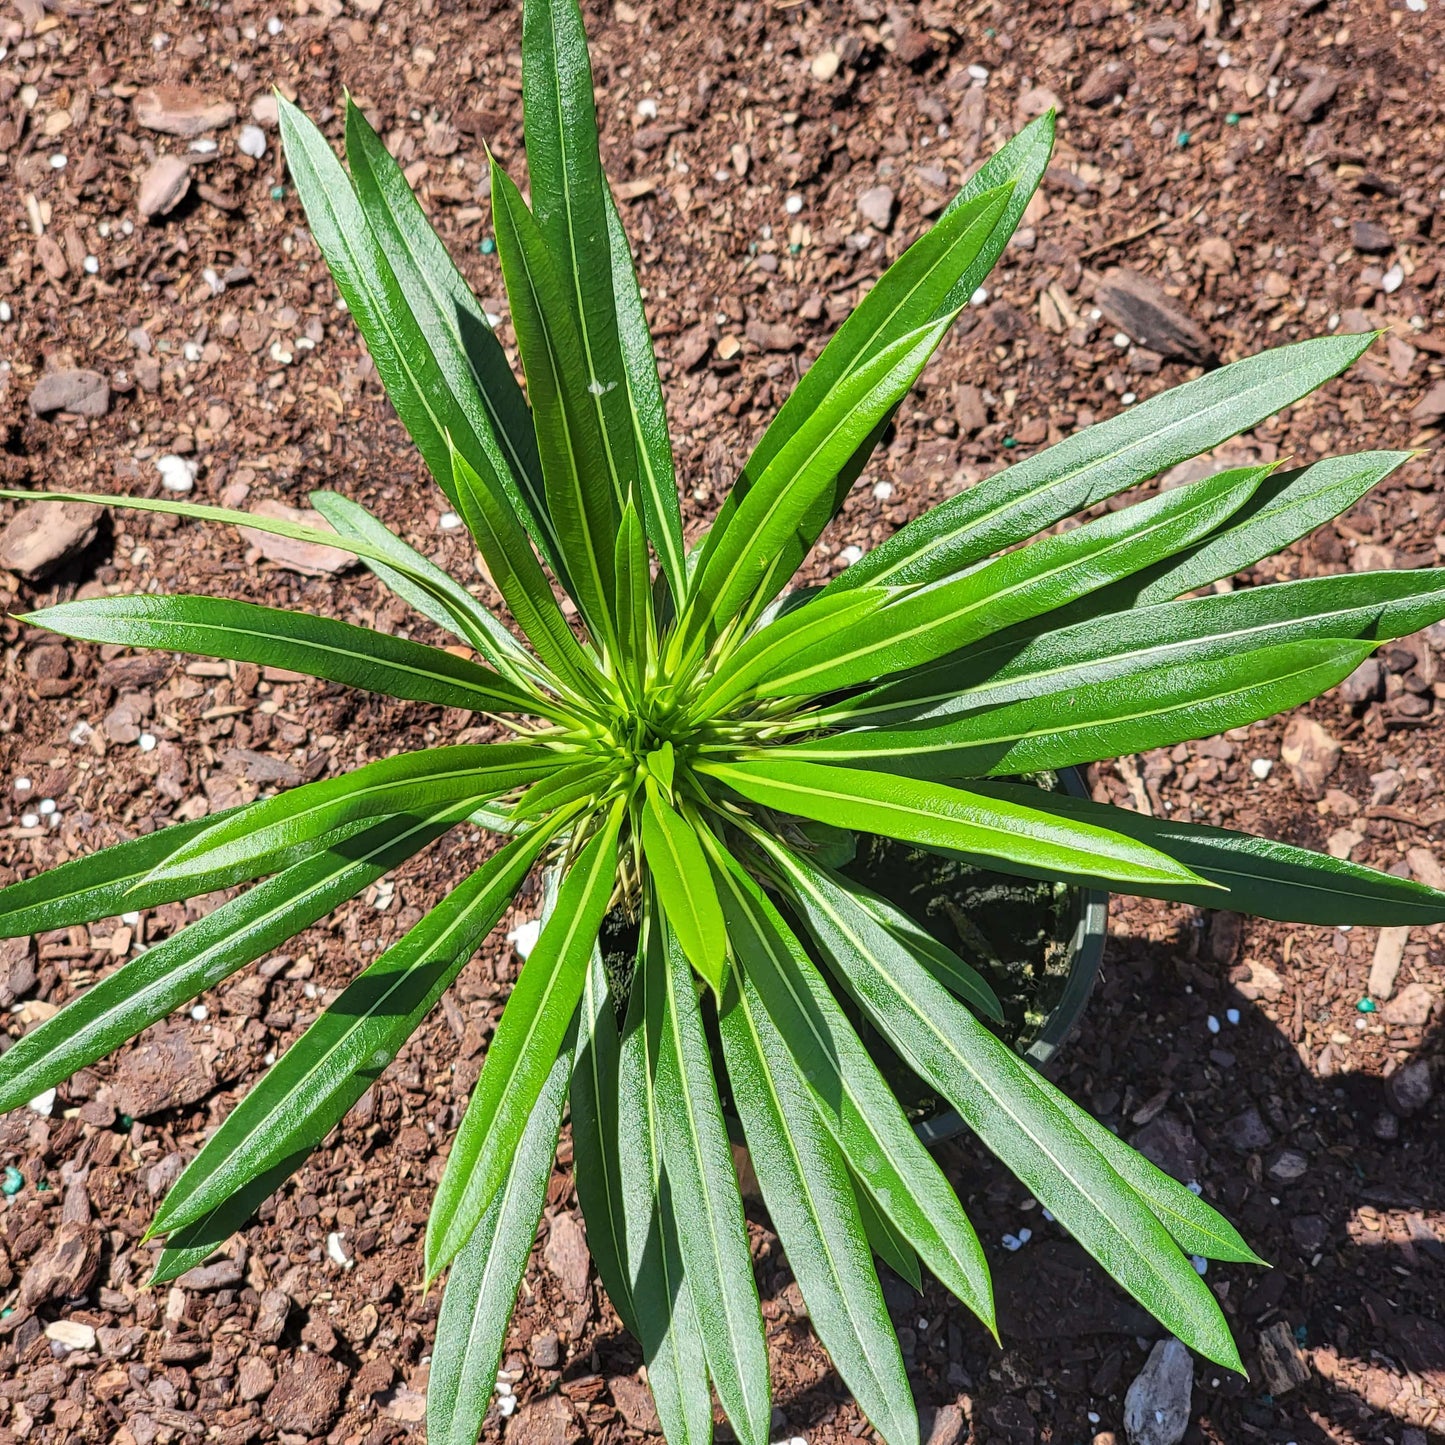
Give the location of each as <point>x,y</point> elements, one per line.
<point>1012,1112</point>
<point>497,438</point>
<point>481,1289</point>
<point>851,1095</point>
<point>1273,880</point>
<point>1004,835</point>
<point>884,1239</point>
<point>810,1201</point>
<point>310,1088</point>
<point>354,522</point>
<point>923,625</point>
<point>432,777</point>
<point>636,632</point>
<point>1008,668</point>
<point>519,578</point>
<point>679,873</point>
<point>317,646</point>
<point>596,1124</point>
<point>661,1294</point>
<point>523,1049</point>
<point>657,475</point>
<point>1153,707</point>
<point>175,970</point>
<point>778,502</point>
<point>570,195</point>
<point>582,496</point>
<point>707,1206</point>
<point>1109,457</point>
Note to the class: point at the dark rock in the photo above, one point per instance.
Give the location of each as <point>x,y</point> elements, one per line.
<point>1410,1088</point>
<point>77,393</point>
<point>1139,307</point>
<point>1311,1232</point>
<point>1170,1143</point>
<point>1247,1132</point>
<point>1012,1419</point>
<point>1104,82</point>
<point>546,1350</point>
<point>1365,684</point>
<point>1372,239</point>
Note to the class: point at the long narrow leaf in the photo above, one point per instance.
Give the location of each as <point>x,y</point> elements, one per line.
<point>354,1038</point>
<point>680,876</point>
<point>1106,458</point>
<point>523,1049</point>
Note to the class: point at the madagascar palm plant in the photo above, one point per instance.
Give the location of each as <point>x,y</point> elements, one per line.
<point>681,741</point>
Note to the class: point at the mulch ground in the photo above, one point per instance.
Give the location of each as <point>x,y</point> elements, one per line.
<point>1275,168</point>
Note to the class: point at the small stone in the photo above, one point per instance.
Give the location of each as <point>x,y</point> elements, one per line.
<point>1311,755</point>
<point>1156,1408</point>
<point>1314,99</point>
<point>566,1256</point>
<point>1247,1132</point>
<point>1289,1166</point>
<point>1410,1088</point>
<point>252,142</point>
<point>1393,279</point>
<point>1426,867</point>
<point>312,559</point>
<point>1106,81</point>
<point>1385,966</point>
<point>947,1426</point>
<point>71,1334</point>
<point>265,111</point>
<point>1140,307</point>
<point>255,1379</point>
<point>164,186</point>
<point>1365,684</point>
<point>1430,409</point>
<point>78,393</point>
<point>876,205</point>
<point>1370,238</point>
<point>776,336</point>
<point>1410,1008</point>
<point>42,536</point>
<point>825,64</point>
<point>180,110</point>
<point>728,347</point>
<point>178,474</point>
<point>546,1350</point>
<point>1311,1232</point>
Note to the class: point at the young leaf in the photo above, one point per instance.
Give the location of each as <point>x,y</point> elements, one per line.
<point>1273,880</point>
<point>481,1290</point>
<point>849,1092</point>
<point>498,440</point>
<point>1004,835</point>
<point>523,1049</point>
<point>679,872</point>
<point>657,475</point>
<point>1014,1115</point>
<point>1111,456</point>
<point>929,623</point>
<point>810,1199</point>
<point>432,777</point>
<point>582,491</point>
<point>175,970</point>
<point>884,1239</point>
<point>317,646</point>
<point>343,1052</point>
<point>1152,707</point>
<point>708,1208</point>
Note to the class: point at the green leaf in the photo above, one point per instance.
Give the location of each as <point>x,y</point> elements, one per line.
<point>926,624</point>
<point>497,438</point>
<point>1005,835</point>
<point>390,555</point>
<point>582,496</point>
<point>1286,507</point>
<point>589,778</point>
<point>310,1088</point>
<point>481,1290</point>
<point>658,477</point>
<point>773,646</point>
<point>317,646</point>
<point>149,986</point>
<point>570,195</point>
<point>1008,668</point>
<point>896,930</point>
<point>707,1206</point>
<point>636,631</point>
<point>679,872</point>
<point>769,517</point>
<point>519,578</point>
<point>810,1200</point>
<point>850,1094</point>
<point>523,1049</point>
<point>596,1124</point>
<point>1153,707</point>
<point>1272,880</point>
<point>429,778</point>
<point>884,1239</point>
<point>1111,456</point>
<point>667,1320</point>
<point>1012,1112</point>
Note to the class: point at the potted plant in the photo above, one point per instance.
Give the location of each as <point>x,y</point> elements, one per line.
<point>681,754</point>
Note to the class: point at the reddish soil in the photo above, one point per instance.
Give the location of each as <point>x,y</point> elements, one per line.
<point>1275,167</point>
